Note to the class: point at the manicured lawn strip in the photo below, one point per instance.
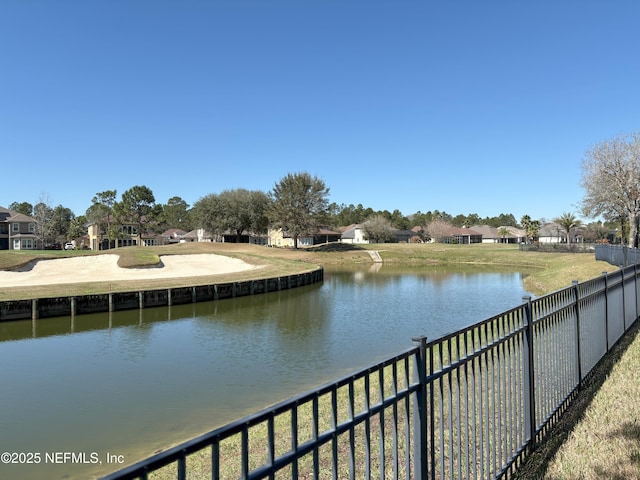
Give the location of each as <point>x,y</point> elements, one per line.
<point>599,436</point>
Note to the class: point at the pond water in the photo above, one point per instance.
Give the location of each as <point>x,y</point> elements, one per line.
<point>132,383</point>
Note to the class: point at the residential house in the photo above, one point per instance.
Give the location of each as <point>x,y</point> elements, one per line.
<point>17,231</point>
<point>128,236</point>
<point>326,235</point>
<point>277,237</point>
<point>493,234</point>
<point>353,234</point>
<point>489,233</point>
<point>551,233</point>
<point>452,235</point>
<point>554,233</point>
<point>246,237</point>
<point>406,236</point>
<point>463,236</point>
<point>173,235</point>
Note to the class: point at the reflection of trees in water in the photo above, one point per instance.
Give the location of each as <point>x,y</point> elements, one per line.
<point>386,274</point>
<point>289,317</point>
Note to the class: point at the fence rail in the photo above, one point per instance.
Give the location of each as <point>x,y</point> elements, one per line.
<point>469,405</point>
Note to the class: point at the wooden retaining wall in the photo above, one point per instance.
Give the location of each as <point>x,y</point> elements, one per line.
<point>111,302</point>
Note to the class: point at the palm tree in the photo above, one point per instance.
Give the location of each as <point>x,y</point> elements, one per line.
<point>503,232</point>
<point>567,221</point>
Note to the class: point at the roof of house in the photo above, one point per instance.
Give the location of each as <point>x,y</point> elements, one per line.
<point>353,226</point>
<point>174,232</point>
<point>454,231</point>
<point>404,233</point>
<point>324,231</point>
<point>20,217</point>
<point>516,232</point>
<point>350,232</point>
<point>7,215</point>
<point>550,230</point>
<point>487,231</point>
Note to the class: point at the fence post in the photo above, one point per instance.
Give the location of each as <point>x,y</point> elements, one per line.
<point>606,308</point>
<point>624,301</point>
<point>635,288</point>
<point>529,372</point>
<point>420,453</point>
<point>576,291</point>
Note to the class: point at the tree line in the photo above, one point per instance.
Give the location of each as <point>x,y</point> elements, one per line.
<point>298,203</point>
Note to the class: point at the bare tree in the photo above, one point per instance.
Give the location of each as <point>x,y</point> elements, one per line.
<point>439,229</point>
<point>611,179</point>
<point>43,215</point>
<point>378,229</point>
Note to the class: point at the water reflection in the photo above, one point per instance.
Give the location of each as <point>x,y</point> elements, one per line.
<point>134,382</point>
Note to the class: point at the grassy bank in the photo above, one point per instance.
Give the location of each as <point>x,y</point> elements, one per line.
<point>545,271</point>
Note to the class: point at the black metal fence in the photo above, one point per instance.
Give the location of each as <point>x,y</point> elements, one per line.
<point>617,255</point>
<point>469,405</point>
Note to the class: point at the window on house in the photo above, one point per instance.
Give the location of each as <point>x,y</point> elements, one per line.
<point>32,227</point>
<point>15,227</point>
<point>129,230</point>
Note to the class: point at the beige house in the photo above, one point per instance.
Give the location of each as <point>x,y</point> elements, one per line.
<point>276,237</point>
<point>127,236</point>
<point>17,231</point>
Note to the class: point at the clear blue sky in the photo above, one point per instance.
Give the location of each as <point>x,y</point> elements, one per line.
<point>462,106</point>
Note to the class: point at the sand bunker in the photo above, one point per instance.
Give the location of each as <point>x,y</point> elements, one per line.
<point>104,268</point>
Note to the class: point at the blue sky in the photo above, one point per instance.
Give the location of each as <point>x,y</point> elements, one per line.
<point>460,106</point>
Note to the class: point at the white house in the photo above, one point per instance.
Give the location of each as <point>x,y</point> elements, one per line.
<point>353,234</point>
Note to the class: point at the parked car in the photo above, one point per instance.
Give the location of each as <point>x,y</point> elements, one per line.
<point>69,246</point>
